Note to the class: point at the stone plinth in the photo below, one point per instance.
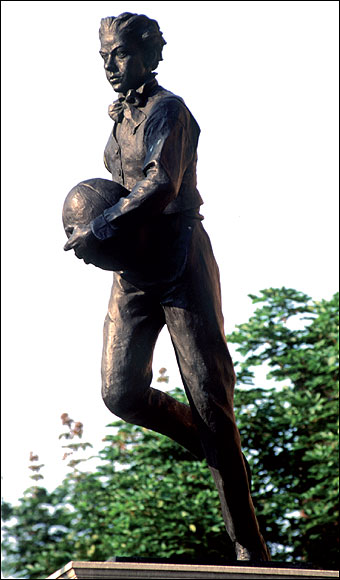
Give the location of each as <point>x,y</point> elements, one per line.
<point>147,571</point>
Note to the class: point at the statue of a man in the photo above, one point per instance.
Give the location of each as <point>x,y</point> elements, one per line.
<point>151,152</point>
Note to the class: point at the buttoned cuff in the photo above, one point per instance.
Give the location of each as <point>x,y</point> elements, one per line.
<point>101,228</point>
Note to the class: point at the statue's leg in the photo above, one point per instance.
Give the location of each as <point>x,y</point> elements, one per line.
<point>131,329</point>
<point>197,333</point>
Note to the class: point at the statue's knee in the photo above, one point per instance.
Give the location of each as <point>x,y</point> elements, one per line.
<point>124,398</point>
<point>115,400</point>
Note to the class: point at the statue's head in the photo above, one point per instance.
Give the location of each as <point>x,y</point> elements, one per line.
<point>86,201</point>
<point>131,46</point>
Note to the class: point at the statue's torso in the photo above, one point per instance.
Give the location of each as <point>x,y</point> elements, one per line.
<point>126,151</point>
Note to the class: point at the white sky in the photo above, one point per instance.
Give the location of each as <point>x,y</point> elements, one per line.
<point>261,78</point>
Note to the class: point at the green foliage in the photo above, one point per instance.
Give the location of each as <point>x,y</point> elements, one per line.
<point>290,431</point>
<point>149,498</point>
<point>35,533</point>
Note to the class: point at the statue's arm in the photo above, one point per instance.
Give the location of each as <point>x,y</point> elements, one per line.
<point>171,143</point>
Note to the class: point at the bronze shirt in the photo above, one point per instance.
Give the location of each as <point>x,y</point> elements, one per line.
<point>153,153</point>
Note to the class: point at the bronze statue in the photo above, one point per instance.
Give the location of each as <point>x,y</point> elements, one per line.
<point>168,274</point>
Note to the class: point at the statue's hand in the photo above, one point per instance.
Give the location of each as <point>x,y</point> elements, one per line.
<point>79,240</point>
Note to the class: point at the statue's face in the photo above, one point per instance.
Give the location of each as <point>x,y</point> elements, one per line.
<point>123,63</point>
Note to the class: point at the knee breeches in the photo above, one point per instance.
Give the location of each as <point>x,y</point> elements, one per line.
<point>191,309</point>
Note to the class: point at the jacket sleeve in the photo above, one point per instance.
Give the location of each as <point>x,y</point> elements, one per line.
<point>170,136</point>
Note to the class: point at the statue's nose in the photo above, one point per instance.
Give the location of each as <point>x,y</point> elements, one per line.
<point>110,64</point>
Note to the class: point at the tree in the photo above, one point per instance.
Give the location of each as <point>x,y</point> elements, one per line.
<point>35,532</point>
<point>149,498</point>
<point>290,431</point>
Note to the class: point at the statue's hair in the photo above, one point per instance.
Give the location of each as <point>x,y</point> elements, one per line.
<point>144,31</point>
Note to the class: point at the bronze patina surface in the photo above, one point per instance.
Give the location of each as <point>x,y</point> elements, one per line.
<point>169,275</point>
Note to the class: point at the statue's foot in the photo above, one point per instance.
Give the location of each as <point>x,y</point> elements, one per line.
<point>244,555</point>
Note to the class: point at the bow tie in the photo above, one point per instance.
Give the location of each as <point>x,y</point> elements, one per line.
<point>127,106</point>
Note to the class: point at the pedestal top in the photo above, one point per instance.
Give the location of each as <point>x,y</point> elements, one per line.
<point>147,571</point>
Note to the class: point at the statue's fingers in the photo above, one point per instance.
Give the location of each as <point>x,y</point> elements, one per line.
<point>68,245</point>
